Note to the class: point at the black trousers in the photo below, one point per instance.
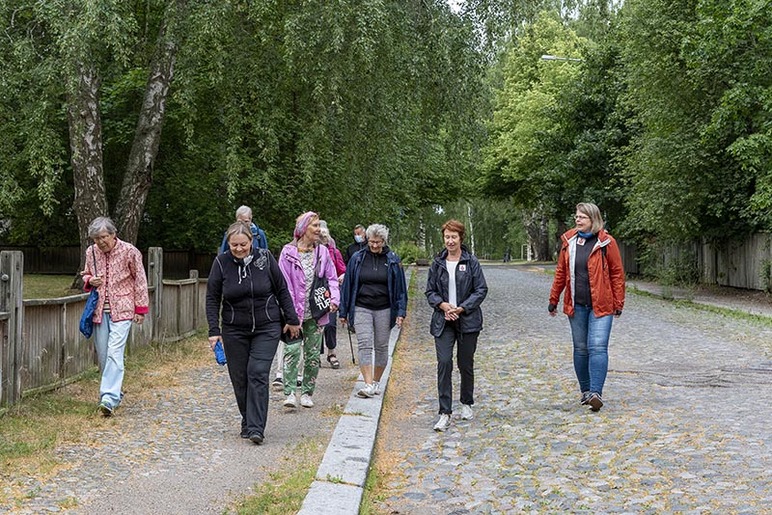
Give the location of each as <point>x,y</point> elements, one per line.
<point>466,345</point>
<point>250,355</point>
<point>330,334</point>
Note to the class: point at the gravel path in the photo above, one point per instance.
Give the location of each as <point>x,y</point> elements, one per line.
<point>180,452</point>
<point>685,428</point>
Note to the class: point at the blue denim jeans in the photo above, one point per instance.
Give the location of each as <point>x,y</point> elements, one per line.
<point>110,342</point>
<point>590,335</point>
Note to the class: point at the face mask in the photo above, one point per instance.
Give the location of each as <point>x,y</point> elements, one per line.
<point>358,238</point>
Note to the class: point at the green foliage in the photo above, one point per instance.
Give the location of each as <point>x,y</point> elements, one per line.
<point>409,252</point>
<point>699,164</point>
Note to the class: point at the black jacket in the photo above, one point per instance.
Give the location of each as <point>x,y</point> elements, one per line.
<point>471,290</point>
<point>353,249</point>
<point>250,295</point>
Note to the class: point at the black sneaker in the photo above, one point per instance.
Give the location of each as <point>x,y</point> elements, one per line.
<point>595,401</point>
<point>244,433</point>
<point>585,398</point>
<point>256,438</point>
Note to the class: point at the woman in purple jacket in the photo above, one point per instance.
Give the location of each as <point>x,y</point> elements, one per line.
<point>299,260</point>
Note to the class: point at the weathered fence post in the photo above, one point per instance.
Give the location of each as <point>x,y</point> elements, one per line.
<point>11,284</point>
<point>194,275</point>
<point>155,274</point>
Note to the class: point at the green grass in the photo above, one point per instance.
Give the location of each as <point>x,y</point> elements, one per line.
<point>285,490</point>
<point>38,286</point>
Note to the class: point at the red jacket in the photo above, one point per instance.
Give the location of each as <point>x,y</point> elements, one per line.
<point>607,276</point>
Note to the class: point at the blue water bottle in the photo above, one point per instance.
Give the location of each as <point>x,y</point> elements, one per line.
<point>219,353</point>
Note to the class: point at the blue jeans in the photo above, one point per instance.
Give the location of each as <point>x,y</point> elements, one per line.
<point>110,342</point>
<point>590,335</point>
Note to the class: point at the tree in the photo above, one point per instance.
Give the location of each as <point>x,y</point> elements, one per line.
<point>520,159</point>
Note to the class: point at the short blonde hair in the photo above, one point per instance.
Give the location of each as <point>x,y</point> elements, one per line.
<point>591,210</point>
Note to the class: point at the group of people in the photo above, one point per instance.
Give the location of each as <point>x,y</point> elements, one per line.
<point>256,305</point>
<point>253,301</point>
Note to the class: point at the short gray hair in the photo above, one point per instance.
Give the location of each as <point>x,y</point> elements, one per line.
<point>244,210</point>
<point>378,230</point>
<point>99,224</point>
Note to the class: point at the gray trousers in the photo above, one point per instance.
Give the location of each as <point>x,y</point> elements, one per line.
<point>373,330</point>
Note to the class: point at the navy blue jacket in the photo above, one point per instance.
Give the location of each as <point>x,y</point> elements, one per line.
<point>471,290</point>
<point>396,285</point>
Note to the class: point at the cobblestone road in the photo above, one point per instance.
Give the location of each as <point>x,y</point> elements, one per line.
<point>685,428</point>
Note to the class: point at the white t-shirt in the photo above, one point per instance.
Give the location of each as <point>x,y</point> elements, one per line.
<point>451,266</point>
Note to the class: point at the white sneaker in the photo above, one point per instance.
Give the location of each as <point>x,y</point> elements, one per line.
<point>376,388</point>
<point>466,412</point>
<point>291,401</point>
<point>305,401</point>
<point>443,423</point>
<point>367,392</point>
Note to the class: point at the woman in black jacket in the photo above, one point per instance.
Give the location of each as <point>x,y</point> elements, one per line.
<point>246,287</point>
<point>455,289</point>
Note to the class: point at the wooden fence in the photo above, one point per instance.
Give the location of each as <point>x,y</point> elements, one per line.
<point>66,260</point>
<point>41,347</point>
<point>745,263</point>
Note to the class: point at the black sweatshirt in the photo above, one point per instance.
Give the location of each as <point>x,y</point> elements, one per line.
<point>251,291</point>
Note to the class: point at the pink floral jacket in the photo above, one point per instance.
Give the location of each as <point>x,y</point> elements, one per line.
<point>124,281</point>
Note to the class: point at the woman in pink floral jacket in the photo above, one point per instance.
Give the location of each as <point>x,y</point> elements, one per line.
<point>114,268</point>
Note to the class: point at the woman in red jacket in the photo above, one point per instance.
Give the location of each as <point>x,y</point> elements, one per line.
<point>590,271</point>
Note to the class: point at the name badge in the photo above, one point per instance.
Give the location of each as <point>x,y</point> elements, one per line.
<point>580,241</point>
<point>462,268</point>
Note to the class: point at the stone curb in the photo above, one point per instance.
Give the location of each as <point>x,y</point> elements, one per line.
<point>340,478</point>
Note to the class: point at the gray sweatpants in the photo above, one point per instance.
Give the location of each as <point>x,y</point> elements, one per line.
<point>372,330</point>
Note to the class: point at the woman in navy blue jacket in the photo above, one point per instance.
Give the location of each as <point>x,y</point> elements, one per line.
<point>373,300</point>
<point>455,289</point>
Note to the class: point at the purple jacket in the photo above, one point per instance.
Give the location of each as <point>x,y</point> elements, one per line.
<point>289,262</point>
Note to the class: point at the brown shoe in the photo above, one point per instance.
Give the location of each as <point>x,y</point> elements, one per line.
<point>595,401</point>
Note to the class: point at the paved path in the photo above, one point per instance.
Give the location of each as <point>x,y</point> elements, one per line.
<point>178,451</point>
<point>685,428</point>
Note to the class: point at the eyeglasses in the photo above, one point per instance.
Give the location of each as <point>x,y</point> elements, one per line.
<point>581,217</point>
<point>375,242</point>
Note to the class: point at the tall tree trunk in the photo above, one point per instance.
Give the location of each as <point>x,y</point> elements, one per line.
<point>147,138</point>
<point>85,132</point>
<point>536,228</point>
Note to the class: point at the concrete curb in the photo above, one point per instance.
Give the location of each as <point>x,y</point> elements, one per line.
<point>340,478</point>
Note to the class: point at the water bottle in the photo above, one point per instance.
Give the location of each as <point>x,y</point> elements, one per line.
<point>219,353</point>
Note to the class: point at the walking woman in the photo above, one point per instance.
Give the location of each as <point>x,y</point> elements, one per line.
<point>114,268</point>
<point>300,261</point>
<point>374,300</point>
<point>331,329</point>
<point>455,289</point>
<point>247,290</point>
<point>590,271</point>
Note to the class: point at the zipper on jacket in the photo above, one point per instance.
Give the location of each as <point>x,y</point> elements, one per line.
<point>252,298</point>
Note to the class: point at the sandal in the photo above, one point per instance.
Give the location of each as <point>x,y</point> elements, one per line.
<point>333,361</point>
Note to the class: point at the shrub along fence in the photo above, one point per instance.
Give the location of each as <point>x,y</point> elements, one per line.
<point>41,347</point>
